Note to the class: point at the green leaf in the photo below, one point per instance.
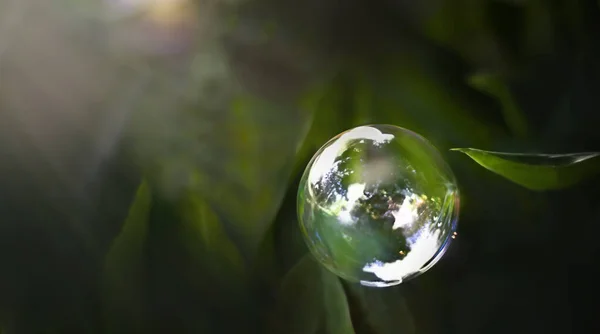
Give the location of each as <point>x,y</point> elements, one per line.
<point>237,139</point>
<point>265,268</point>
<point>462,26</point>
<point>493,86</point>
<point>260,141</point>
<point>124,267</point>
<point>385,311</point>
<point>213,270</point>
<point>328,117</point>
<point>412,97</point>
<point>539,31</point>
<point>538,171</point>
<point>394,93</point>
<point>337,313</point>
<point>203,236</point>
<point>300,300</point>
<point>311,300</point>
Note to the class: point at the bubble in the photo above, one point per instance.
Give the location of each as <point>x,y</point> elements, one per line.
<point>378,205</point>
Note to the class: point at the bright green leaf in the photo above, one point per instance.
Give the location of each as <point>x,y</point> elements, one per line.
<point>493,86</point>
<point>337,313</point>
<point>538,171</point>
<point>385,311</point>
<point>124,266</point>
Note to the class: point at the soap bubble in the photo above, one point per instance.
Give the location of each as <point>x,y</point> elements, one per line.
<point>378,205</point>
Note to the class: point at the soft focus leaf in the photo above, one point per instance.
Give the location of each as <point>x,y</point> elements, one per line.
<point>337,313</point>
<point>410,97</point>
<point>265,266</point>
<point>394,93</point>
<point>329,117</point>
<point>125,266</point>
<point>262,148</point>
<point>493,86</point>
<point>462,26</point>
<point>385,311</point>
<point>212,268</point>
<point>538,171</point>
<point>239,157</point>
<point>203,235</point>
<point>311,300</point>
<point>232,123</point>
<point>539,28</point>
<point>300,306</point>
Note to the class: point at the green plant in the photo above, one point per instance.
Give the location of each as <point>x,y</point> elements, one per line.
<point>210,241</point>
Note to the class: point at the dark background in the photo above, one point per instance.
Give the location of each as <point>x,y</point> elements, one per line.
<point>220,105</point>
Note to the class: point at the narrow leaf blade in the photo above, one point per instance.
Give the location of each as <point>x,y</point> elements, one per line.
<point>300,307</point>
<point>538,171</point>
<point>385,311</point>
<point>205,238</point>
<point>337,312</point>
<point>124,266</point>
<point>492,85</point>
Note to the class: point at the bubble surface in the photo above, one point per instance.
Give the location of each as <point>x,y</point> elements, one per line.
<point>378,205</point>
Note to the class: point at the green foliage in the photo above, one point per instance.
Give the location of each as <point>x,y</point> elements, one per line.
<point>538,171</point>
<point>203,235</point>
<point>299,300</point>
<point>221,132</point>
<point>383,311</point>
<point>254,131</point>
<point>311,300</point>
<point>495,87</point>
<point>124,269</point>
<point>337,313</point>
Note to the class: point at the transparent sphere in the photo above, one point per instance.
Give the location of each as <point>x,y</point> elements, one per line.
<point>378,205</point>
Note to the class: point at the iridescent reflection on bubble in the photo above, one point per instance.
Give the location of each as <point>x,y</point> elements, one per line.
<point>378,205</point>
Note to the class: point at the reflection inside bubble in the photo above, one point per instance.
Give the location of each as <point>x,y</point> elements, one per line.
<point>378,205</point>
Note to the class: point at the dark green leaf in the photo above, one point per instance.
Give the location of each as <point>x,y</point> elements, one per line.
<point>124,267</point>
<point>300,306</point>
<point>538,171</point>
<point>461,25</point>
<point>328,118</point>
<point>237,138</point>
<point>213,269</point>
<point>410,97</point>
<point>337,313</point>
<point>204,237</point>
<point>407,96</point>
<point>260,156</point>
<point>539,30</point>
<point>493,86</point>
<point>385,311</point>
<point>311,300</point>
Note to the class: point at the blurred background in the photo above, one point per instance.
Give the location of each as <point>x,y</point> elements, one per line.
<point>150,153</point>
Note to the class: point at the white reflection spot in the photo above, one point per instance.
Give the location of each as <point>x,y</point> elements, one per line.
<point>407,214</point>
<point>422,250</point>
<point>355,192</point>
<point>326,159</point>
